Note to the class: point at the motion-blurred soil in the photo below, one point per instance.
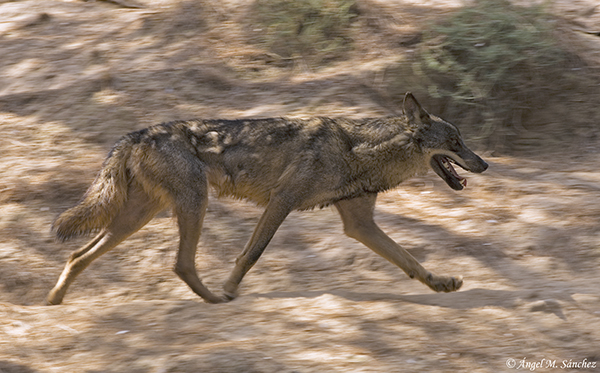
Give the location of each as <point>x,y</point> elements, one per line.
<point>76,75</point>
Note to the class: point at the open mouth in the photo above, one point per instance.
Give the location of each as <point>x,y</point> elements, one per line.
<point>442,166</point>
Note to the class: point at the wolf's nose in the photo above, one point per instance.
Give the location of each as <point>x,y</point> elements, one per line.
<point>484,165</point>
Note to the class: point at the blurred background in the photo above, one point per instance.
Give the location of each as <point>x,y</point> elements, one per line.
<point>521,79</point>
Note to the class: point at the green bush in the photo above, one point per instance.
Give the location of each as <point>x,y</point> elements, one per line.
<point>496,57</point>
<point>316,30</point>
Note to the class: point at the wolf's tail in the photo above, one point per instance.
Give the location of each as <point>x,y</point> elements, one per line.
<point>103,199</point>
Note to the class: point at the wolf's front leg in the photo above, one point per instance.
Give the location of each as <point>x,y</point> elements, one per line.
<point>357,215</point>
<point>277,210</point>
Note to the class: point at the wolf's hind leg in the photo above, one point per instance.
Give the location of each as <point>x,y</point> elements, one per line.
<point>189,193</point>
<point>357,216</point>
<point>137,211</point>
<point>190,225</point>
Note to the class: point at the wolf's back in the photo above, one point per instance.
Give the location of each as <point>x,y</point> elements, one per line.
<point>102,200</point>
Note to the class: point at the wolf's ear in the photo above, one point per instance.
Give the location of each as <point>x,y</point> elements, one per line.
<point>417,116</point>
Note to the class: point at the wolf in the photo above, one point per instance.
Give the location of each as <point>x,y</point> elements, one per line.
<point>281,164</point>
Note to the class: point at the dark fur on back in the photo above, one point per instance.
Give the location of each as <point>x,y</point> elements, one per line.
<point>335,158</point>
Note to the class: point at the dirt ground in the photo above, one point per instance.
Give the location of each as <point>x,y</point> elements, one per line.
<point>75,76</point>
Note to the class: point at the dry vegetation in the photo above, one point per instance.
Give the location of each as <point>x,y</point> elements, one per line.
<point>76,75</point>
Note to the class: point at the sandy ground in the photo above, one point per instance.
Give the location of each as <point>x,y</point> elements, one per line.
<point>75,76</point>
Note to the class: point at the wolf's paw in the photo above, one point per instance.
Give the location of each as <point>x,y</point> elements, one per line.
<point>230,292</point>
<point>214,299</point>
<point>444,283</point>
<point>228,297</point>
<point>52,302</point>
<point>54,298</point>
<point>219,299</point>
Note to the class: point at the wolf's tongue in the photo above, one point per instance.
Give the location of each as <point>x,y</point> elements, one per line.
<point>450,168</point>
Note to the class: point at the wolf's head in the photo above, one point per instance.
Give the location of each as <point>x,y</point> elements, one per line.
<point>442,144</point>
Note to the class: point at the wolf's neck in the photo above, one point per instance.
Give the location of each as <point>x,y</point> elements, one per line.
<point>387,163</point>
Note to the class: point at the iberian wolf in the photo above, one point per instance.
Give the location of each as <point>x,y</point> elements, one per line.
<point>281,164</point>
